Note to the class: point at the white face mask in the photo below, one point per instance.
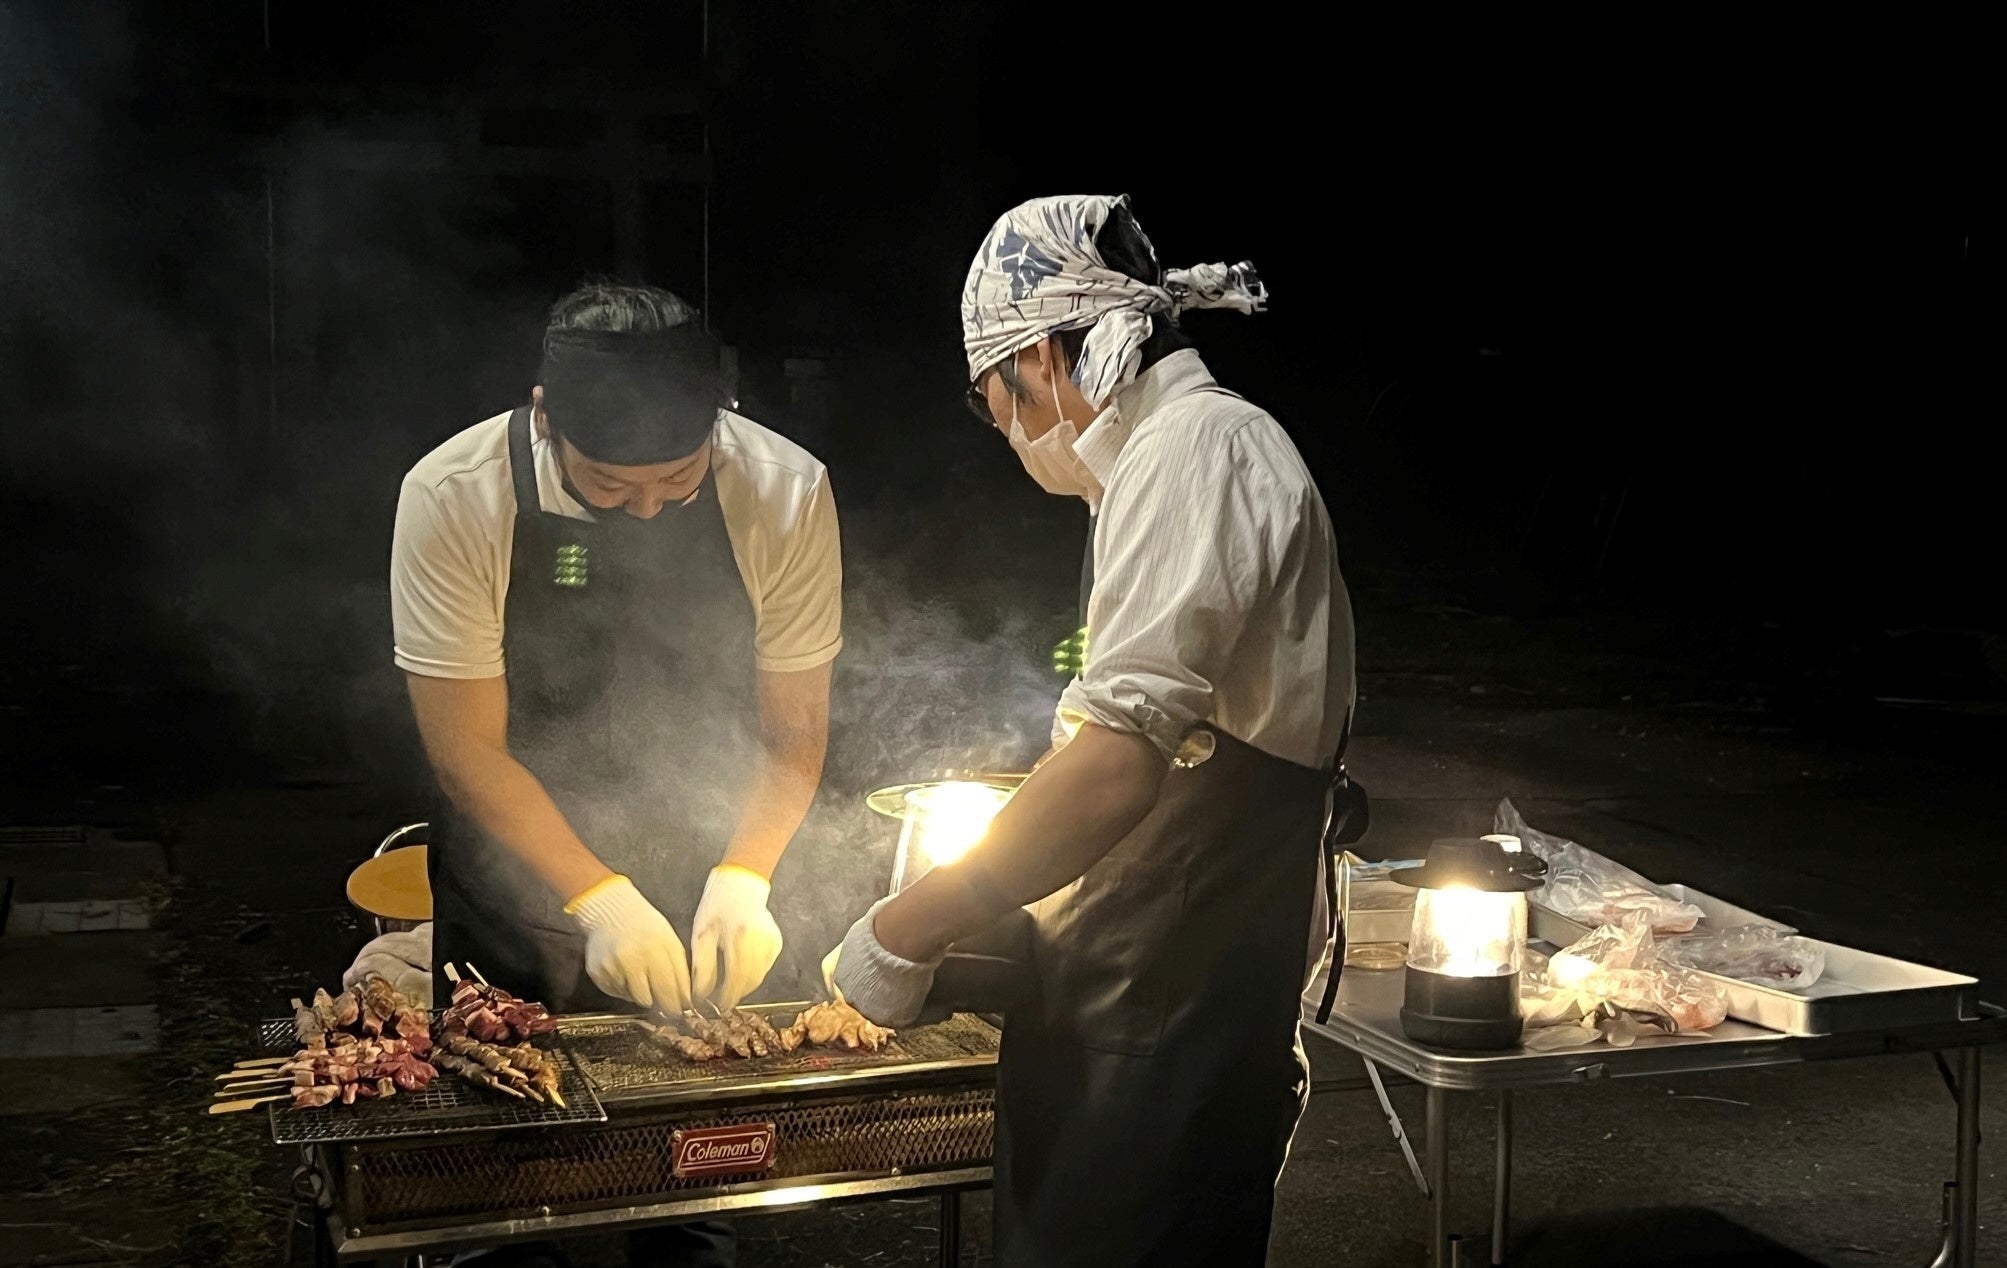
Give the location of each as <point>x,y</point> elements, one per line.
<point>1050,459</point>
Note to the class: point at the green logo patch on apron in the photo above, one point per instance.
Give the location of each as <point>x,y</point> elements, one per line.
<point>571,566</point>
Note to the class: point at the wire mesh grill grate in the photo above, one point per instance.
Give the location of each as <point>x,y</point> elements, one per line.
<point>629,1163</point>
<point>449,1104</point>
<point>621,1058</point>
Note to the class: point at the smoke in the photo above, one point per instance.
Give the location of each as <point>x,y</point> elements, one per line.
<point>222,357</point>
<point>936,677</point>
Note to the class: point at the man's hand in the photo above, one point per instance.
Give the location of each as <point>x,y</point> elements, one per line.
<point>888,989</point>
<point>630,950</point>
<point>733,923</point>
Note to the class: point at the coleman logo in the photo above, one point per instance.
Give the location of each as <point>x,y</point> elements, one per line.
<point>734,1150</point>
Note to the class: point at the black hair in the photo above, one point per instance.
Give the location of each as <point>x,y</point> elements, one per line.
<point>1124,249</point>
<point>620,309</point>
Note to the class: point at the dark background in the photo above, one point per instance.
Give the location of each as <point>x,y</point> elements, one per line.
<point>1644,362</point>
<point>1679,322</point>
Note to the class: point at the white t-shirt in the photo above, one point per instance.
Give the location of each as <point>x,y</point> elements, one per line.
<point>449,557</point>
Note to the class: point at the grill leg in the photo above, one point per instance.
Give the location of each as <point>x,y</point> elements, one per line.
<point>951,1228</point>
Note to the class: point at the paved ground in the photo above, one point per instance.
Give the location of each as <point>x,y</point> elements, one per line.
<point>1872,828</point>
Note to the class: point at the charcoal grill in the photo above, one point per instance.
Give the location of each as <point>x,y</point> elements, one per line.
<point>917,1117</point>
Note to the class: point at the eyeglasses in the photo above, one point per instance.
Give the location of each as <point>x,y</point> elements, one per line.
<point>978,402</point>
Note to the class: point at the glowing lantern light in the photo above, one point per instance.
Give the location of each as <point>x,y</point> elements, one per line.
<point>1467,945</point>
<point>939,821</point>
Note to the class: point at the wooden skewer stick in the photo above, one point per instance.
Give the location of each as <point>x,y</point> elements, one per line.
<point>477,973</point>
<point>452,974</point>
<point>232,1107</point>
<point>254,1064</point>
<point>253,1076</point>
<point>263,1085</point>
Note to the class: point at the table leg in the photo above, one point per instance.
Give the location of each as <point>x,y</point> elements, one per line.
<point>1501,1193</point>
<point>1436,1132</point>
<point>1965,1202</point>
<point>951,1228</point>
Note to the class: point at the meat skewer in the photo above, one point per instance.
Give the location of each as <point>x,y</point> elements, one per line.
<point>308,1027</point>
<point>324,1008</point>
<point>688,1046</point>
<point>838,1024</point>
<point>475,1072</point>
<point>543,1071</point>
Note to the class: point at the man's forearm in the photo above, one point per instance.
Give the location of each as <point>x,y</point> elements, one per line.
<point>776,800</point>
<point>1069,814</point>
<point>508,803</point>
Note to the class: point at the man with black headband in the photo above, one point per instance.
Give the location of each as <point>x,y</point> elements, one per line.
<point>616,609</point>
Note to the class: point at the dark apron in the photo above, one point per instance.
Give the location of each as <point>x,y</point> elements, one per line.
<point>632,697</point>
<point>1147,1095</point>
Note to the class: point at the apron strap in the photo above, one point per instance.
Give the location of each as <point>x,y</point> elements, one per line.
<point>1347,816</point>
<point>523,464</point>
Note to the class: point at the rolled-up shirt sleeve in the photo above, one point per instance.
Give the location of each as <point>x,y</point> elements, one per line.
<point>1182,557</point>
<point>801,606</point>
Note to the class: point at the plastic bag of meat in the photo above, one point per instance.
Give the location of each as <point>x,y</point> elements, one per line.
<point>1590,889</point>
<point>1621,964</point>
<point>1762,954</point>
<point>1557,1017</point>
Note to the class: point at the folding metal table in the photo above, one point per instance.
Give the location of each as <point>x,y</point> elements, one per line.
<point>1366,1020</point>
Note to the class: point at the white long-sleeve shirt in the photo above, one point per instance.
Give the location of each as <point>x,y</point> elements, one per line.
<point>1217,597</point>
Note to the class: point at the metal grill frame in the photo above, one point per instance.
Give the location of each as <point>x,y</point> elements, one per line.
<point>360,1232</point>
<point>357,1232</point>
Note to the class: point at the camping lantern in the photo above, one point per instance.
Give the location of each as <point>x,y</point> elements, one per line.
<point>940,820</point>
<point>1466,946</point>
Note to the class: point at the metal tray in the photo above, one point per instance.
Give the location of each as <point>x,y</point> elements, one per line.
<point>447,1105</point>
<point>1858,991</point>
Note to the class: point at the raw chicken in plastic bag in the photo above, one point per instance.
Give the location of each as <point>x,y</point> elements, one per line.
<point>1590,889</point>
<point>1558,1017</point>
<point>1763,954</point>
<point>1613,986</point>
<point>1621,963</point>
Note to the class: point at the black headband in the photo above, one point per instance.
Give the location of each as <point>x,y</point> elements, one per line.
<point>633,400</point>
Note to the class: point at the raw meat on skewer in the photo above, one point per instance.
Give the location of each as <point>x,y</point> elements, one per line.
<point>307,1025</point>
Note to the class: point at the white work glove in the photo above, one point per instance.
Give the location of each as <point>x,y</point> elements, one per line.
<point>404,958</point>
<point>888,989</point>
<point>630,950</point>
<point>829,963</point>
<point>733,922</point>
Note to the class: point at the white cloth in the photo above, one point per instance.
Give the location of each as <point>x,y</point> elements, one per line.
<point>732,925</point>
<point>449,559</point>
<point>888,989</point>
<point>404,957</point>
<point>1040,272</point>
<point>1217,596</point>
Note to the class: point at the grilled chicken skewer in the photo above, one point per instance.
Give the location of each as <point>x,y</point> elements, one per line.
<point>476,1072</point>
<point>542,1070</point>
